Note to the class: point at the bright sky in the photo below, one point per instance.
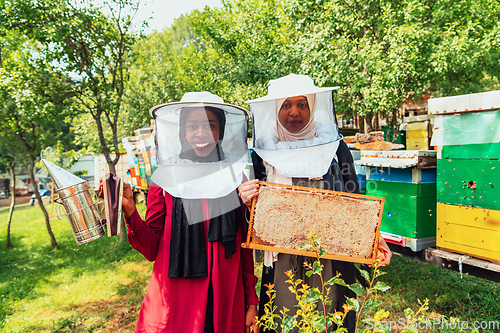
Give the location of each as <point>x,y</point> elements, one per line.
<point>163,12</point>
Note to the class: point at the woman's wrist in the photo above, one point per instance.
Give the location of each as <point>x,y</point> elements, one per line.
<point>128,210</point>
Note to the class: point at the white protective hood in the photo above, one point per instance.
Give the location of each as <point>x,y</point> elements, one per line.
<point>304,158</point>
<point>184,178</point>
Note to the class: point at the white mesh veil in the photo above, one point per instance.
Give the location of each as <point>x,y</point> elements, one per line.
<point>181,171</point>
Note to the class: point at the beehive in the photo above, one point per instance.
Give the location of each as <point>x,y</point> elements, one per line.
<point>141,154</point>
<point>474,231</point>
<point>409,210</point>
<point>407,181</point>
<point>101,168</point>
<point>418,134</point>
<point>469,182</point>
<point>468,209</point>
<point>283,217</point>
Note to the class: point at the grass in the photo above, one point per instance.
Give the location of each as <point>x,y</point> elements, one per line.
<point>469,298</point>
<point>87,288</point>
<point>99,287</point>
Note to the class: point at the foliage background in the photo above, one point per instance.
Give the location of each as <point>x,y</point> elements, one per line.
<point>95,68</point>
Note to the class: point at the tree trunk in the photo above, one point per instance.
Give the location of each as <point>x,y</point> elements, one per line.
<point>8,244</point>
<point>375,125</point>
<point>102,140</point>
<point>39,199</point>
<point>394,126</point>
<point>112,168</point>
<point>368,124</point>
<point>396,134</point>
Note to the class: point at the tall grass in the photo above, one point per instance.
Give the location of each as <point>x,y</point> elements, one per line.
<point>467,298</point>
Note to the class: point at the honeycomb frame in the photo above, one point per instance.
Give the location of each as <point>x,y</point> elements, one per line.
<point>254,240</point>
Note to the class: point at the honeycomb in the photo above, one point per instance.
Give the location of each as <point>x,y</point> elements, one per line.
<point>284,218</point>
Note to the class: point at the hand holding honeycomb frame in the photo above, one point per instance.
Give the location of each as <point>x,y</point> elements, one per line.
<point>283,216</point>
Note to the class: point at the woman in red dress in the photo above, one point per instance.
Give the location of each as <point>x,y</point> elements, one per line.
<point>202,280</point>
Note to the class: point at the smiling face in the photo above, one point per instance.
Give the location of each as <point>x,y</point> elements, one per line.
<point>202,131</point>
<point>294,113</point>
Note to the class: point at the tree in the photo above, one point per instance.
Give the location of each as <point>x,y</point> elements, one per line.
<point>94,47</point>
<point>170,63</point>
<point>231,52</point>
<point>383,52</point>
<point>33,104</point>
<point>88,46</point>
<point>10,157</point>
<point>154,80</point>
<point>256,37</point>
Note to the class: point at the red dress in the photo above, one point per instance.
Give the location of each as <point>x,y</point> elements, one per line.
<point>179,305</point>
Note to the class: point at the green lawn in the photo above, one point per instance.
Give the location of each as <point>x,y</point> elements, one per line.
<point>99,287</point>
<point>468,299</point>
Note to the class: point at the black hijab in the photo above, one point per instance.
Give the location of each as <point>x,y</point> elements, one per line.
<point>188,257</point>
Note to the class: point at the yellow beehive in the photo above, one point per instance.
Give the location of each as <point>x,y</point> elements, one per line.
<point>473,231</point>
<point>417,144</point>
<point>418,135</point>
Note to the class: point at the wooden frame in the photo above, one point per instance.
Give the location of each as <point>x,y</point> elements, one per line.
<point>252,245</point>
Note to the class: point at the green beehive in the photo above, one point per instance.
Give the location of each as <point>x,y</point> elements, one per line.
<point>468,191</point>
<point>407,181</point>
<point>467,128</point>
<point>472,183</point>
<point>409,209</point>
<point>481,151</point>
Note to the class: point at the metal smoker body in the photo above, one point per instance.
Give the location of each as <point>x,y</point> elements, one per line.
<point>83,214</point>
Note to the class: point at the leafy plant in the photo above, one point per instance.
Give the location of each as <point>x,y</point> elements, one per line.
<point>311,319</point>
<point>409,324</point>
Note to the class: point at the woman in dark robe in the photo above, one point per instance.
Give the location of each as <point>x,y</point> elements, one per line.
<point>296,128</point>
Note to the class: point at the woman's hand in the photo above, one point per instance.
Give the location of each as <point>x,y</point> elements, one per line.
<point>251,325</point>
<point>384,253</point>
<point>249,190</point>
<point>128,204</point>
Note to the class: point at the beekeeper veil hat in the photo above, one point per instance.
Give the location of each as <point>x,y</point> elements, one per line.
<point>304,153</point>
<point>201,145</point>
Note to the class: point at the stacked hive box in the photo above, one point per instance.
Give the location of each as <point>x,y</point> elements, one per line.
<point>133,173</point>
<point>360,171</point>
<point>141,156</point>
<point>418,132</point>
<point>468,189</point>
<point>146,159</point>
<point>407,181</point>
<point>101,168</point>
